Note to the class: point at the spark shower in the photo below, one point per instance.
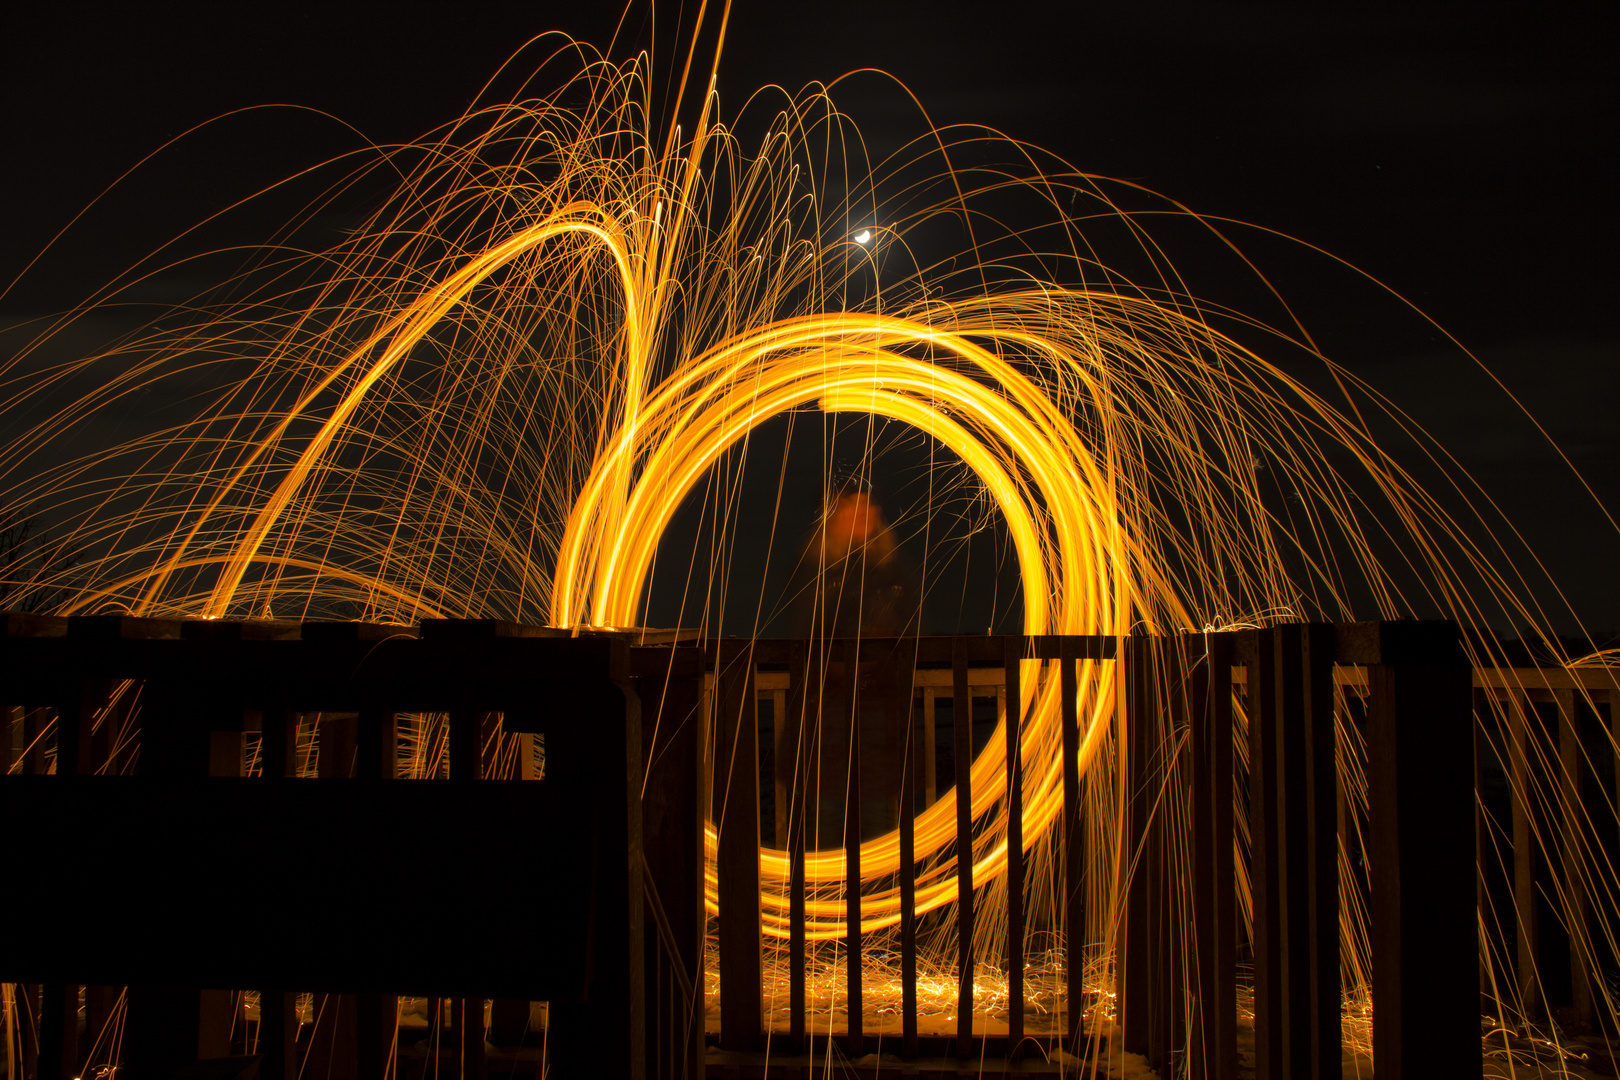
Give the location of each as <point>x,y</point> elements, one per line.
<point>493,396</point>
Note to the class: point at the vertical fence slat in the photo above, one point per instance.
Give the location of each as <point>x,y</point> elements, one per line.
<point>1012,693</point>
<point>377,1021</point>
<point>1321,852</point>
<point>853,957</point>
<point>334,1044</point>
<point>58,1042</point>
<point>736,798</point>
<point>1174,908</point>
<point>1614,740</point>
<point>59,1003</point>
<point>908,871</point>
<point>1074,848</point>
<point>1214,1043</point>
<point>1293,853</point>
<point>1202,1057</point>
<point>278,1035</point>
<point>1520,719</point>
<point>962,735</point>
<point>467,1019</point>
<point>1263,825</point>
<point>1161,955</point>
<point>1135,970</point>
<point>802,669</point>
<point>1167,902</point>
<point>1574,815</point>
<point>33,741</point>
<point>377,1015</point>
<point>162,1023</point>
<point>670,689</point>
<point>1222,812</point>
<point>1482,717</point>
<point>278,1014</point>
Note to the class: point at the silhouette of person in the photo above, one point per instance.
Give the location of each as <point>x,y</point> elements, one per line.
<point>854,581</point>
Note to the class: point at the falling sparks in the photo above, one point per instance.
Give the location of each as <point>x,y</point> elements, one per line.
<point>492,397</point>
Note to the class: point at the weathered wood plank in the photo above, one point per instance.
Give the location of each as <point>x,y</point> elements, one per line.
<point>962,736</point>
<point>736,800</point>
<point>1265,830</point>
<point>1323,1021</point>
<point>1571,773</point>
<point>1013,726</point>
<point>1293,852</point>
<point>1135,995</point>
<point>804,665</point>
<point>1074,853</point>
<point>1526,923</point>
<point>1214,1041</point>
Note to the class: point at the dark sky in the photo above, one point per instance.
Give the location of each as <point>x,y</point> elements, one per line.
<point>1463,154</point>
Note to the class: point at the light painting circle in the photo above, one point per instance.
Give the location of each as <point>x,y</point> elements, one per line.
<point>1054,496</point>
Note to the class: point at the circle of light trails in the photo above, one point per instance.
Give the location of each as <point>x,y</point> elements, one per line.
<point>1055,498</point>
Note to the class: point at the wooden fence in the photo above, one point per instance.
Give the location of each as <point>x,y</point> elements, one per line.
<point>186,879</point>
<point>473,888</point>
<point>1177,934</point>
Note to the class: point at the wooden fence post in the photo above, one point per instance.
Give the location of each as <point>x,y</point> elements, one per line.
<point>1136,999</point>
<point>376,1016</point>
<point>162,1022</point>
<point>1074,848</point>
<point>1291,719</point>
<point>1214,1041</point>
<point>962,734</point>
<point>1424,934</point>
<point>1571,772</point>
<point>1176,908</point>
<point>1521,730</point>
<point>1260,654</point>
<point>600,748</point>
<point>1013,719</point>
<point>1323,1023</point>
<point>1161,955</point>
<point>278,1012</point>
<point>334,1040</point>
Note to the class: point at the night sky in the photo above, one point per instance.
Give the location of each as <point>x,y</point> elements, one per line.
<point>1463,155</point>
